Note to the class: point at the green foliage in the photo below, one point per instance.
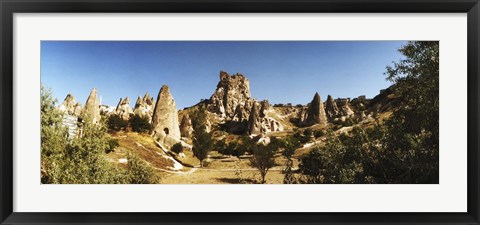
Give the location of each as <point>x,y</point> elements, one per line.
<point>139,172</point>
<point>202,141</point>
<point>199,119</point>
<point>202,145</point>
<point>80,160</point>
<point>112,144</point>
<point>140,124</point>
<point>177,148</point>
<point>318,133</point>
<point>300,137</point>
<point>116,123</point>
<point>262,159</point>
<point>307,132</point>
<point>221,147</point>
<point>412,140</point>
<point>237,149</point>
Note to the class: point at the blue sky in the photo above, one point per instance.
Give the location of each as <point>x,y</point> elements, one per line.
<point>280,71</point>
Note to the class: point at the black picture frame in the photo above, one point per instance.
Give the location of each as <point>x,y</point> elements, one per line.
<point>9,7</point>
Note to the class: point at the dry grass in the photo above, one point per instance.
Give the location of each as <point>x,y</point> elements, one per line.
<point>208,176</point>
<point>141,145</point>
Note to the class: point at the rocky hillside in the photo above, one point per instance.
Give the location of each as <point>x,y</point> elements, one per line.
<point>231,110</point>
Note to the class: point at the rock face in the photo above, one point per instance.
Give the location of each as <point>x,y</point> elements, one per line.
<point>233,103</point>
<point>70,106</point>
<point>316,112</point>
<point>123,109</point>
<point>165,117</point>
<point>144,106</point>
<point>92,107</point>
<point>264,107</point>
<point>331,108</point>
<point>260,123</point>
<point>231,91</point>
<point>186,128</point>
<point>254,121</point>
<point>106,110</point>
<point>344,107</point>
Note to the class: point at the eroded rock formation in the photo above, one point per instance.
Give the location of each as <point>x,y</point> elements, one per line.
<point>70,106</point>
<point>144,106</point>
<point>230,92</point>
<point>331,108</point>
<point>344,107</point>
<point>316,112</point>
<point>123,109</point>
<point>186,128</point>
<point>92,107</point>
<point>165,117</point>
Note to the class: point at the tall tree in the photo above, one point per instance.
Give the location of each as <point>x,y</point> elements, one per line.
<point>202,141</point>
<point>412,140</point>
<point>263,159</point>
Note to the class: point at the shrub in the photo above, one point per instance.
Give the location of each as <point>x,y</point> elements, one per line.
<point>115,122</point>
<point>140,124</point>
<point>318,133</point>
<point>177,148</point>
<point>138,172</point>
<point>112,144</point>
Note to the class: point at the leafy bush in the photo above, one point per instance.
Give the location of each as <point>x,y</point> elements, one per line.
<point>140,124</point>
<point>112,144</point>
<point>177,148</point>
<point>318,133</point>
<point>116,123</point>
<point>138,172</point>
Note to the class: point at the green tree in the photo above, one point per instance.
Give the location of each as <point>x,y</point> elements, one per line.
<point>289,145</point>
<point>53,136</point>
<point>263,159</point>
<point>412,140</point>
<point>140,124</point>
<point>115,122</point>
<point>177,148</point>
<point>202,140</point>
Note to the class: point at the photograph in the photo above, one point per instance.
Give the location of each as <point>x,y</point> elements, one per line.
<point>239,112</point>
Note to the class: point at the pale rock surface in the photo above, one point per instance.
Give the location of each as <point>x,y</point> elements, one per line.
<point>331,108</point>
<point>144,107</point>
<point>70,106</point>
<point>123,109</point>
<point>316,112</point>
<point>231,91</point>
<point>92,107</point>
<point>165,118</point>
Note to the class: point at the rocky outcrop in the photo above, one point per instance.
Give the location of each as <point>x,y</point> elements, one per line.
<point>316,112</point>
<point>344,107</point>
<point>165,117</point>
<point>259,123</point>
<point>264,107</point>
<point>254,121</point>
<point>144,106</point>
<point>186,128</point>
<point>106,110</point>
<point>70,106</point>
<point>123,109</point>
<point>92,107</point>
<point>331,108</point>
<point>231,91</point>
